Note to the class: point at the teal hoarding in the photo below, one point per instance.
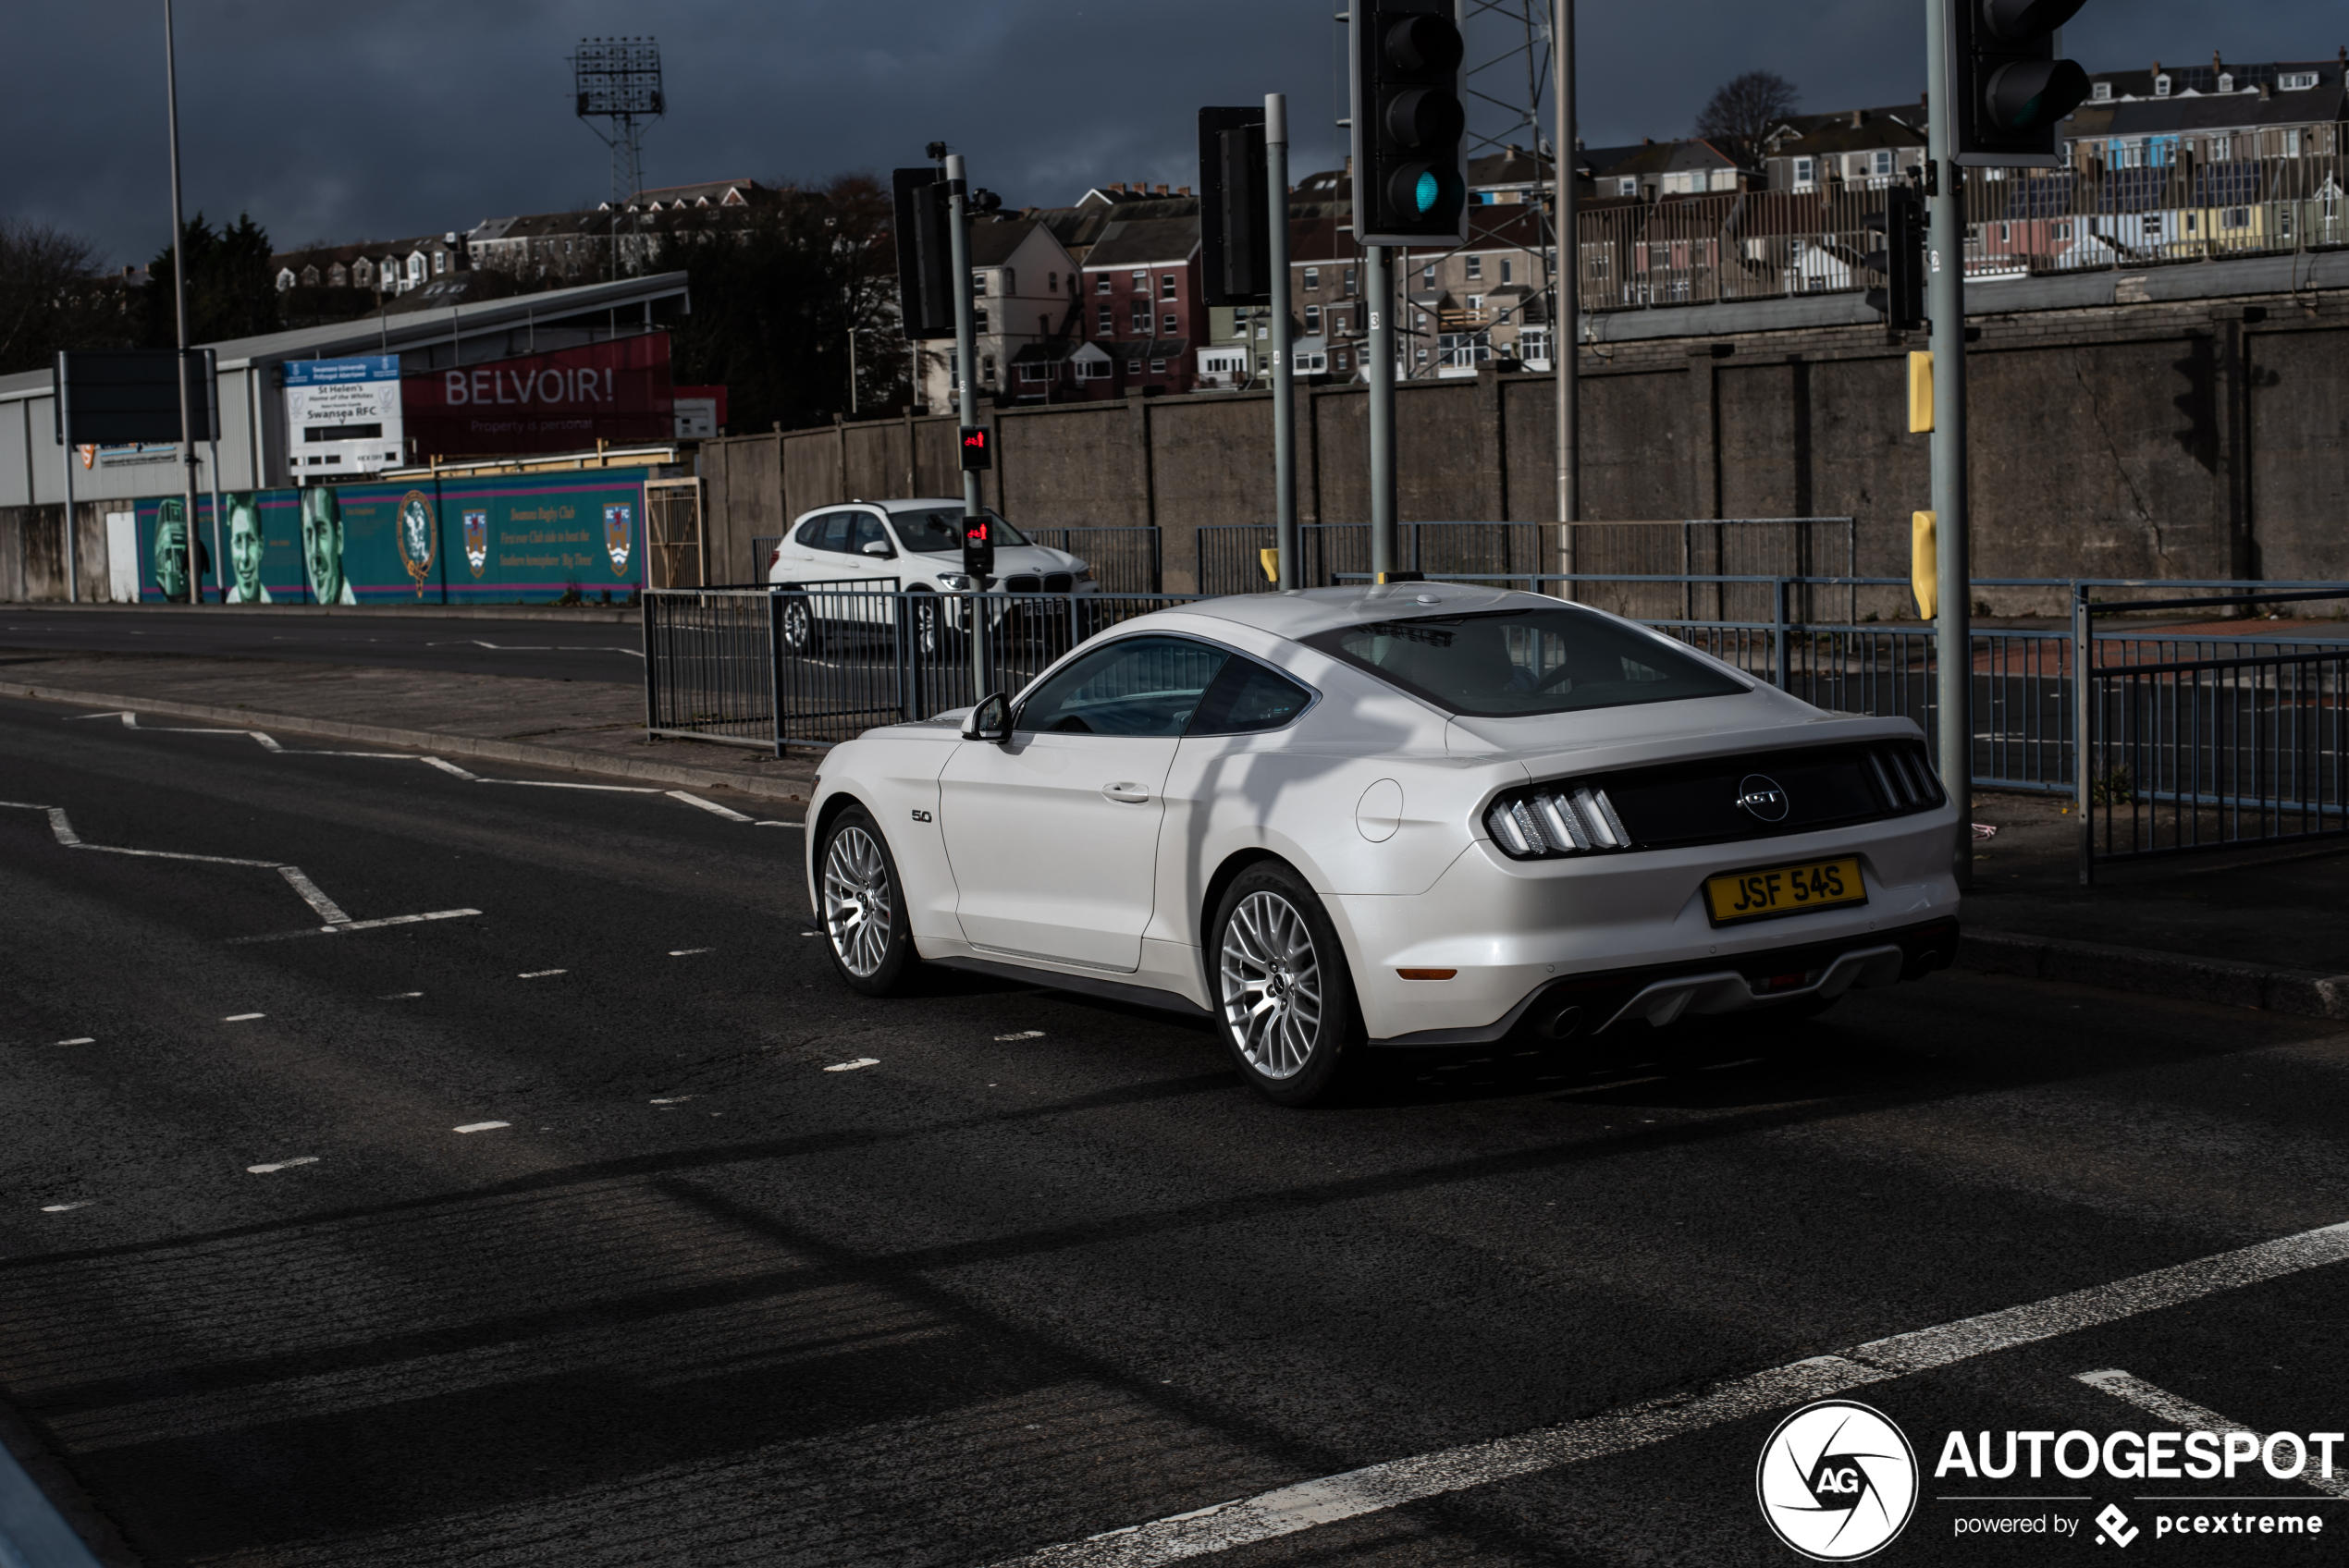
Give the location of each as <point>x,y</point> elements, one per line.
<point>506,539</point>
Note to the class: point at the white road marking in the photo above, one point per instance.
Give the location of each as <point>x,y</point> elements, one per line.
<point>243,1017</point>
<point>281,1165</point>
<point>2170,1407</point>
<point>688,952</point>
<point>480,1126</point>
<point>81,1040</point>
<point>1268,1515</point>
<point>774,824</point>
<point>540,973</point>
<point>358,926</point>
<point>400,995</point>
<point>66,1207</point>
<point>328,910</point>
<point>710,806</point>
<point>452,768</point>
<point>674,1099</point>
<point>553,784</point>
<point>1023,1035</point>
<point>853,1066</point>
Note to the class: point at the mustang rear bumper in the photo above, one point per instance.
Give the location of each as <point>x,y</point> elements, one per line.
<point>1586,1004</point>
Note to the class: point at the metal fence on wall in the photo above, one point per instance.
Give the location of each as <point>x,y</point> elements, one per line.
<point>1231,554</point>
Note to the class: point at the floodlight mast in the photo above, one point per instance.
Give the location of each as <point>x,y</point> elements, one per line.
<point>618,81</point>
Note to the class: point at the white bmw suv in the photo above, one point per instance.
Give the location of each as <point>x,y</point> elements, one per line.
<point>919,544</point>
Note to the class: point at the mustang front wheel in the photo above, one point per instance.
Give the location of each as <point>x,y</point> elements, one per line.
<point>863,906</point>
<point>1283,997</point>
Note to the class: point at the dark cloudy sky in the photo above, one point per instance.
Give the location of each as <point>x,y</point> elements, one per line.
<point>379,118</point>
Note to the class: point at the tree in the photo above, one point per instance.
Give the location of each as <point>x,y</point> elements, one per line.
<point>53,295</point>
<point>777,294</point>
<point>231,292</point>
<point>1744,109</point>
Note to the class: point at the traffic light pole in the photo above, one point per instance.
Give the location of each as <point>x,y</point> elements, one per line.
<point>1565,325</point>
<point>179,303</point>
<point>1945,307</point>
<point>966,386</point>
<point>1284,380</point>
<point>1378,288</point>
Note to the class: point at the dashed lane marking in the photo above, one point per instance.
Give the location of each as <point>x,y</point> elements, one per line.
<point>2185,1413</point>
<point>243,1017</point>
<point>770,822</point>
<point>853,1066</point>
<point>480,1126</point>
<point>281,1165</point>
<point>400,997</point>
<point>451,769</point>
<point>673,1099</point>
<point>66,1207</point>
<point>540,973</point>
<point>81,1040</point>
<point>688,952</point>
<point>1268,1515</point>
<point>359,926</point>
<point>1023,1035</point>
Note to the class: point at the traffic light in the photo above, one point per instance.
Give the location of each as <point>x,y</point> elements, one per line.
<point>978,548</point>
<point>1410,175</point>
<point>1236,253</point>
<point>2008,89</point>
<point>924,259</point>
<point>977,454</point>
<point>1900,298</point>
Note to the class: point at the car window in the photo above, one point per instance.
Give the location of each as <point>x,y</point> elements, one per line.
<point>1134,686</point>
<point>867,531</point>
<point>941,532</point>
<point>828,531</point>
<point>811,532</point>
<point>1248,697</point>
<point>1525,661</point>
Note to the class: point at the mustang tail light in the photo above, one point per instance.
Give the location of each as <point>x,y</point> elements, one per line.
<point>1904,776</point>
<point>1555,819</point>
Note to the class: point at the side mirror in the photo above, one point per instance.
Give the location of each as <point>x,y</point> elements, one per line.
<point>992,721</point>
<point>879,547</point>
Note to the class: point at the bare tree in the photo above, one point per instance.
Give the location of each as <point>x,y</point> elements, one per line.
<point>1743,109</point>
<point>53,295</point>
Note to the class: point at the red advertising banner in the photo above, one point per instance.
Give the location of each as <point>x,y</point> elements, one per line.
<point>564,401</point>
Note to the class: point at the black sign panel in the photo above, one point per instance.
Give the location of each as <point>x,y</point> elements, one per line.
<point>117,397</point>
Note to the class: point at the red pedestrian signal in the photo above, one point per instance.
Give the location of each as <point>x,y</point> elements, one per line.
<point>978,548</point>
<point>977,453</point>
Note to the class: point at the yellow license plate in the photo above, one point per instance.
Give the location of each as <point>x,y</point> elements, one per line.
<point>1783,889</point>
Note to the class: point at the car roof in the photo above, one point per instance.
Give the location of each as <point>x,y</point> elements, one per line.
<point>1299,615</point>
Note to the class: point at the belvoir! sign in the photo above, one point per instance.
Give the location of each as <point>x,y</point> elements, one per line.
<point>564,401</point>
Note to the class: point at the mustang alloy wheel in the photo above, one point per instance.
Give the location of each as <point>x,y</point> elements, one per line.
<point>1283,997</point>
<point>864,912</point>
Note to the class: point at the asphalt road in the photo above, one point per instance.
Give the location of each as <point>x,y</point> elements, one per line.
<point>544,649</point>
<point>699,1288</point>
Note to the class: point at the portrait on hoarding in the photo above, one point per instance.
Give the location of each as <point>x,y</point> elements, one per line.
<point>322,547</point>
<point>171,549</point>
<point>244,551</point>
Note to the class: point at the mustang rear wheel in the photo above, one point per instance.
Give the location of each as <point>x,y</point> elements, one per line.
<point>1283,997</point>
<point>863,906</point>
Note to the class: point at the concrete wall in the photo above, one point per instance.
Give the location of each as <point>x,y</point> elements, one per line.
<point>2183,437</point>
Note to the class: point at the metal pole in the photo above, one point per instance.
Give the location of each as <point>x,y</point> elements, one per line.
<point>965,385</point>
<point>212,382</point>
<point>1945,306</point>
<point>1564,324</point>
<point>1379,289</point>
<point>65,437</point>
<point>179,303</point>
<point>1284,372</point>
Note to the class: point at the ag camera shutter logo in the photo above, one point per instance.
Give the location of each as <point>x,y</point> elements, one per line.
<point>1838,1481</point>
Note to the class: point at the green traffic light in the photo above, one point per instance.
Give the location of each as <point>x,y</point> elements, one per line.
<point>1425,192</point>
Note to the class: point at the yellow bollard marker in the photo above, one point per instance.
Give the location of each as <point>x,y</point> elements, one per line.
<point>1920,391</point>
<point>1924,564</point>
<point>1271,561</point>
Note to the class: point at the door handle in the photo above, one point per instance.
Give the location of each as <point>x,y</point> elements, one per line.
<point>1131,794</point>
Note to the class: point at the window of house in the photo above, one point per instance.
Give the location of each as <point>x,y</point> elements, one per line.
<point>1052,283</point>
<point>1092,369</point>
<point>2161,85</point>
<point>1312,318</point>
<point>2292,142</point>
<point>2226,81</point>
<point>2222,148</point>
<point>1475,266</point>
<point>1883,163</point>
<point>1805,174</point>
<point>1349,280</point>
<point>2295,81</point>
<point>2063,231</point>
<point>1157,367</point>
<point>1141,281</point>
<point>1100,283</point>
<point>1341,363</point>
<point>1009,282</point>
<point>1032,372</point>
<point>1109,321</point>
<point>978,320</point>
<point>1312,278</point>
<point>1422,356</point>
<point>1508,269</point>
<point>1169,323</point>
<point>2006,234</point>
<point>439,262</point>
<point>2100,93</point>
<point>1427,277</point>
<point>1141,319</point>
<point>1626,187</point>
<point>1167,286</point>
<point>978,285</point>
<point>1133,367</point>
<point>2284,222</point>
<point>987,367</point>
<point>1337,322</point>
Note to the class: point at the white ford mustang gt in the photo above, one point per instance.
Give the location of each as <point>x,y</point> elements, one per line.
<point>1413,814</point>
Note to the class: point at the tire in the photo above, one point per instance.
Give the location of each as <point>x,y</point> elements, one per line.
<point>863,911</point>
<point>800,631</point>
<point>1284,999</point>
<point>934,633</point>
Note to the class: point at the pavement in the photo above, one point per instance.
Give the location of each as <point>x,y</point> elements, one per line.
<point>595,1223</point>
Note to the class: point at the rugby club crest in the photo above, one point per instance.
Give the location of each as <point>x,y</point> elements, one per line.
<point>418,537</point>
<point>477,540</point>
<point>619,534</point>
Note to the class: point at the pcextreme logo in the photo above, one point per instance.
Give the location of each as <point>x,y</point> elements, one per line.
<point>1838,1481</point>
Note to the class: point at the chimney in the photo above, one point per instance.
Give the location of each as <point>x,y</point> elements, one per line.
<point>1647,140</point>
<point>1118,189</point>
<point>1859,118</point>
<point>1162,187</point>
<point>1182,190</point>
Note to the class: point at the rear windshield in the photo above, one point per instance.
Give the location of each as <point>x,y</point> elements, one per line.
<point>941,532</point>
<point>1525,661</point>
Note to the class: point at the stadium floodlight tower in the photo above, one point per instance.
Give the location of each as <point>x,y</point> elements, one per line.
<point>618,80</point>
